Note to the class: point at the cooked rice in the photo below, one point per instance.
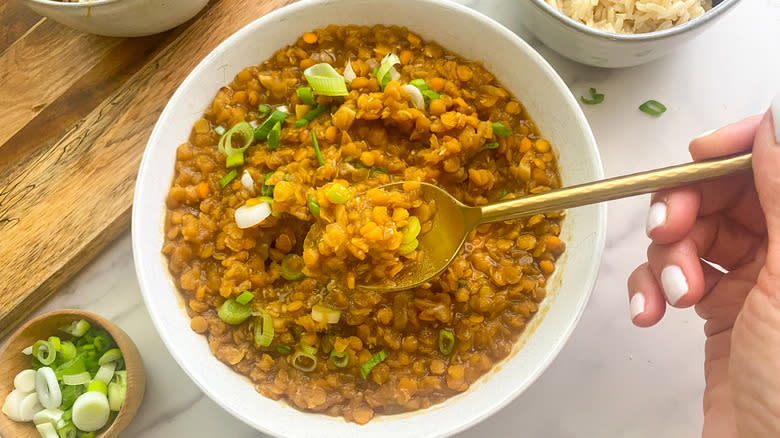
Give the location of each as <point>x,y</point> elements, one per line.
<point>632,16</point>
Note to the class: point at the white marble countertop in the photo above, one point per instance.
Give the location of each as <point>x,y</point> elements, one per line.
<point>611,379</point>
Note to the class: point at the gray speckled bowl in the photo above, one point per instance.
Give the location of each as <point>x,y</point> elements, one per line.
<point>598,48</point>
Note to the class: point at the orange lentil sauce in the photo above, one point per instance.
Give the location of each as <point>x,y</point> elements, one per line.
<point>371,137</point>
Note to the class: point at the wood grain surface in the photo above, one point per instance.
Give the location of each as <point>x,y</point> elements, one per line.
<point>76,111</point>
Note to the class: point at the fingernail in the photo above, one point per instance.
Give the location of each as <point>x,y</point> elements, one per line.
<point>656,216</point>
<point>674,283</point>
<point>704,134</point>
<point>637,304</point>
<point>776,116</point>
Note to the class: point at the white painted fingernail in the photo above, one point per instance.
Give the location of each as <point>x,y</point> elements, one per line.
<point>674,283</point>
<point>637,304</point>
<point>704,134</point>
<point>776,115</point>
<point>656,216</point>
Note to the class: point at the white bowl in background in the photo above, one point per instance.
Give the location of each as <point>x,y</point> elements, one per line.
<point>598,48</point>
<point>119,18</point>
<point>459,29</point>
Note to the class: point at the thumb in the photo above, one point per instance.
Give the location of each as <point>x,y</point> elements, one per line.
<point>766,169</point>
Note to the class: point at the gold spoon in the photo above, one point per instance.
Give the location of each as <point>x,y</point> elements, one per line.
<point>453,220</point>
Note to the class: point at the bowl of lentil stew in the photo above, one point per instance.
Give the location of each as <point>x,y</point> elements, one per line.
<point>424,395</point>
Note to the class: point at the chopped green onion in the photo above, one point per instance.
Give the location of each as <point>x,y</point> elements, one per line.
<point>44,352</point>
<point>67,430</point>
<point>264,109</point>
<point>411,230</point>
<point>325,80</point>
<point>377,169</point>
<point>317,152</point>
<point>106,372</point>
<point>407,248</point>
<point>283,349</point>
<point>267,189</point>
<point>117,390</point>
<point>112,355</point>
<point>323,313</point>
<point>501,130</point>
<point>385,71</point>
<point>99,386</point>
<point>461,283</point>
<point>340,359</point>
<point>430,95</point>
<point>262,131</point>
<point>235,160</point>
<point>245,133</point>
<point>219,130</point>
<point>55,342</point>
<point>274,135</point>
<point>306,95</point>
<point>245,297</point>
<point>314,208</point>
<point>233,313</point>
<point>227,178</point>
<point>264,330</point>
<point>446,341</point>
<point>73,366</point>
<point>77,379</point>
<point>490,145</point>
<point>375,360</point>
<point>653,107</point>
<point>338,194</point>
<point>70,394</point>
<point>67,351</point>
<point>47,388</point>
<point>304,361</point>
<point>292,267</point>
<point>419,83</point>
<point>102,342</point>
<point>311,115</point>
<point>595,98</point>
<point>91,411</point>
<point>76,328</point>
<point>503,194</point>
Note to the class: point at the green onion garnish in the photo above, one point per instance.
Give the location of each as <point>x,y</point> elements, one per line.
<point>112,355</point>
<point>419,83</point>
<point>44,352</point>
<point>117,390</point>
<point>233,313</point>
<point>653,107</point>
<point>503,194</point>
<point>283,349</point>
<point>311,115</point>
<point>446,341</point>
<point>241,129</point>
<point>338,194</point>
<point>76,328</point>
<point>264,330</point>
<point>308,349</point>
<point>67,351</point>
<point>304,361</point>
<point>261,132</point>
<point>264,109</point>
<point>461,283</point>
<point>292,267</point>
<point>325,80</point>
<point>219,130</point>
<point>314,208</point>
<point>501,130</point>
<point>306,95</point>
<point>235,160</point>
<point>317,148</point>
<point>411,230</point>
<point>430,95</point>
<point>595,98</point>
<point>490,145</point>
<point>340,359</point>
<point>266,189</point>
<point>375,360</point>
<point>385,71</point>
<point>245,297</point>
<point>227,178</point>
<point>407,248</point>
<point>274,135</point>
<point>377,169</point>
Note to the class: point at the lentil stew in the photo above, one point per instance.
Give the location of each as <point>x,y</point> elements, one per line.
<point>282,309</point>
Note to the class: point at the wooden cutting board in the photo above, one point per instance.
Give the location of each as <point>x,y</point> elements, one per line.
<point>76,111</point>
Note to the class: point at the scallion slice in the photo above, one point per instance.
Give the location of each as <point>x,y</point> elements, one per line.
<point>99,386</point>
<point>323,313</point>
<point>311,115</point>
<point>292,267</point>
<point>304,359</point>
<point>264,109</point>
<point>314,208</point>
<point>47,388</point>
<point>112,355</point>
<point>430,95</point>
<point>407,248</point>
<point>225,180</point>
<point>503,194</point>
<point>490,145</point>
<point>317,152</point>
<point>219,130</point>
<point>501,130</point>
<point>76,328</point>
<point>117,390</point>
<point>461,283</point>
<point>77,379</point>
<point>262,131</point>
<point>419,83</point>
<point>283,349</point>
<point>384,72</point>
<point>339,358</point>
<point>67,351</point>
<point>44,352</point>
<point>446,341</point>
<point>595,98</point>
<point>267,189</point>
<point>274,135</point>
<point>411,230</point>
<point>338,194</point>
<point>233,313</point>
<point>91,411</point>
<point>373,361</point>
<point>235,160</point>
<point>245,135</point>
<point>325,80</point>
<point>245,297</point>
<point>653,107</point>
<point>264,330</point>
<point>306,95</point>
<point>106,372</point>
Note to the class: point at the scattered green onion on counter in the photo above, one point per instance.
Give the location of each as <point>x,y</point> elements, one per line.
<point>653,107</point>
<point>595,98</point>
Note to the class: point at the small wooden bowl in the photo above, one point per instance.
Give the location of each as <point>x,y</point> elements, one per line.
<point>12,361</point>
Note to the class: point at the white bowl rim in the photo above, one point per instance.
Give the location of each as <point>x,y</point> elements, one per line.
<point>590,279</point>
<point>637,37</point>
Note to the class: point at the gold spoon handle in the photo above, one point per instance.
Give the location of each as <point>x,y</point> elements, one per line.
<point>616,188</point>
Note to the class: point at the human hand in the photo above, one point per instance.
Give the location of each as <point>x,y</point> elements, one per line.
<point>735,223</point>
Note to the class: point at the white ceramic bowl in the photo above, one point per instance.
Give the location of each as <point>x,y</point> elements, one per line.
<point>119,18</point>
<point>587,45</point>
<point>463,31</point>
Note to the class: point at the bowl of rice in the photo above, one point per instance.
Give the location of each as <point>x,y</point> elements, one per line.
<point>619,33</point>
